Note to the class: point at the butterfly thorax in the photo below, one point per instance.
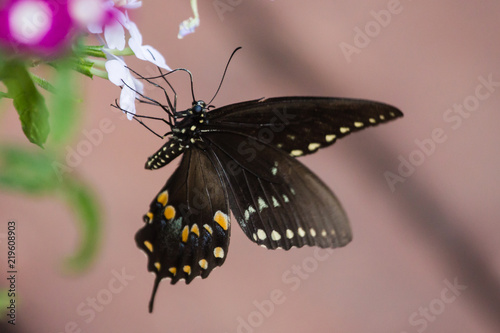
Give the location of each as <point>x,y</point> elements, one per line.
<point>185,132</point>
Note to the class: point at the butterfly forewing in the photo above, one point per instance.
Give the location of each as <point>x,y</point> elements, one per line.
<point>277,201</point>
<point>300,125</point>
<point>186,231</point>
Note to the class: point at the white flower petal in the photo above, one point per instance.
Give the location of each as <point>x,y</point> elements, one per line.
<point>117,72</point>
<point>138,85</point>
<point>121,17</point>
<point>86,12</point>
<point>127,101</point>
<point>135,34</point>
<point>132,4</point>
<point>114,34</point>
<point>144,52</point>
<point>95,28</point>
<point>152,55</point>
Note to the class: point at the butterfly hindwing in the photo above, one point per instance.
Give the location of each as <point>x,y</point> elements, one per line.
<point>301,125</point>
<point>187,229</point>
<point>277,201</point>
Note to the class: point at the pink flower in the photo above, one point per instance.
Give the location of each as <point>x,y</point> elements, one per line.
<point>43,27</point>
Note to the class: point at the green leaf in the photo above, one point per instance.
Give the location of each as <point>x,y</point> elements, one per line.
<point>64,110</point>
<point>27,170</point>
<point>29,103</point>
<point>42,83</point>
<point>84,204</point>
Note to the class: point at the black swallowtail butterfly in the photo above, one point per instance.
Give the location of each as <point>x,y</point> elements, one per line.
<point>242,158</point>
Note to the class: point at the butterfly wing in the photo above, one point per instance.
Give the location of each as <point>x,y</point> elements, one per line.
<point>186,231</point>
<point>278,202</point>
<point>300,125</point>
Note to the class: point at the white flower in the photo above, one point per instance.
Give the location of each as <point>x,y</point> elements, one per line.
<point>113,24</point>
<point>188,26</point>
<point>144,52</point>
<point>119,74</point>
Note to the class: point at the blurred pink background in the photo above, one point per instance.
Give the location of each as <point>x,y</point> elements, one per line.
<point>437,228</point>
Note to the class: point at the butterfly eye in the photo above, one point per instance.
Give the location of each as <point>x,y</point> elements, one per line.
<point>198,107</point>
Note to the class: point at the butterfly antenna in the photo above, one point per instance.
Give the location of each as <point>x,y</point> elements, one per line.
<point>224,74</point>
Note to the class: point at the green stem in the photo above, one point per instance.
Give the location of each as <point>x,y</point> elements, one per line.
<point>125,52</point>
<point>99,63</point>
<point>99,72</point>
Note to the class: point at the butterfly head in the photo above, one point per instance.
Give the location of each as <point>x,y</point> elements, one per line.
<point>199,107</point>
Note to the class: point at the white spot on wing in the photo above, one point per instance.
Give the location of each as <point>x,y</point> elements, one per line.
<point>261,234</point>
<point>301,232</point>
<point>262,204</point>
<point>275,236</point>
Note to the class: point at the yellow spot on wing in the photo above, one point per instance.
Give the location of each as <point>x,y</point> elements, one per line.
<point>219,252</point>
<point>172,270</point>
<point>169,212</point>
<point>330,137</point>
<point>203,263</point>
<point>163,198</point>
<point>185,234</point>
<point>187,269</point>
<point>296,152</point>
<point>289,233</point>
<point>302,233</point>
<point>150,216</point>
<point>221,219</point>
<point>358,124</point>
<point>209,228</point>
<point>313,146</point>
<point>148,245</point>
<point>195,230</point>
<point>344,129</point>
<point>158,265</point>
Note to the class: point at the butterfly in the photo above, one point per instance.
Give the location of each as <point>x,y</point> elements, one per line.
<point>241,158</point>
